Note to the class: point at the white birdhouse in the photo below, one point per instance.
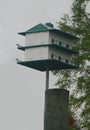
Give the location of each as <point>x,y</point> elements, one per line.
<point>47,48</point>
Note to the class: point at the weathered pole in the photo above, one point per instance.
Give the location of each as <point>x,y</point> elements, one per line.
<point>56,109</point>
<point>47,79</point>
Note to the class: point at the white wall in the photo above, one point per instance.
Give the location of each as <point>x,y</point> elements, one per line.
<point>58,53</point>
<point>37,38</point>
<point>57,37</point>
<point>46,37</point>
<point>36,53</point>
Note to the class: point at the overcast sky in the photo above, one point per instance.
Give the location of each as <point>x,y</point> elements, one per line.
<point>21,88</point>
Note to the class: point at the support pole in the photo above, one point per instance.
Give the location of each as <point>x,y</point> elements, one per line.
<point>47,79</point>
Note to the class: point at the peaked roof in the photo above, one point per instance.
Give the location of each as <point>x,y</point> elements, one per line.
<point>46,27</point>
<point>39,27</point>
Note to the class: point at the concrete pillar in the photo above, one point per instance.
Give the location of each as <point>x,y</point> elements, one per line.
<point>56,109</point>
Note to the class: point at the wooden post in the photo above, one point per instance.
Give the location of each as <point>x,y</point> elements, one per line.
<point>56,109</point>
<point>47,79</point>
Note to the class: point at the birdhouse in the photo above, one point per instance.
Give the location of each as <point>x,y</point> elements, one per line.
<point>47,48</point>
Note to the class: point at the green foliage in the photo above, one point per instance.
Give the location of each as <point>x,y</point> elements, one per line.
<point>78,81</point>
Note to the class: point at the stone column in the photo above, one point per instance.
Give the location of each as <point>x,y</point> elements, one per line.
<point>56,109</point>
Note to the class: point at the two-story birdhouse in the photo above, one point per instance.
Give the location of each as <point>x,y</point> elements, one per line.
<point>47,48</point>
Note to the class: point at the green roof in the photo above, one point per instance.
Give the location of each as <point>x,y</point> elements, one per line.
<point>39,27</point>
<point>46,27</point>
<point>43,65</point>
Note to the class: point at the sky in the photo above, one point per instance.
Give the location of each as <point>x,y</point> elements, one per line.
<point>22,89</point>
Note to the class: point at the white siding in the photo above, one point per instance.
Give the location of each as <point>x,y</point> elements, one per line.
<point>38,53</point>
<point>57,38</point>
<point>45,52</point>
<point>58,53</point>
<point>37,38</point>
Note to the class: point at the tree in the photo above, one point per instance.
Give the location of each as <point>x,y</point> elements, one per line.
<point>78,81</point>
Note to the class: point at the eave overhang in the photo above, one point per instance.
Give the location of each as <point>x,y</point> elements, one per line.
<point>65,49</point>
